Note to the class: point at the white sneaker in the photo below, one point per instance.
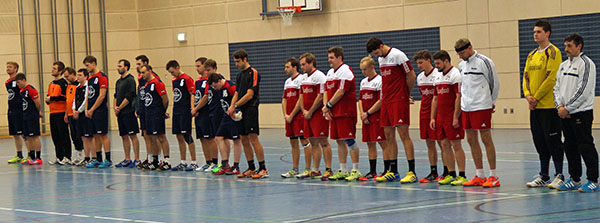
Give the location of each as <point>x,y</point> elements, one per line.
<point>65,161</point>
<point>291,173</point>
<point>210,168</point>
<point>558,180</point>
<point>75,161</point>
<point>54,162</point>
<point>538,182</point>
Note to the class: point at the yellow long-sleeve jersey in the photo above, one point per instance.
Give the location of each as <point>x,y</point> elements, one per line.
<point>539,76</point>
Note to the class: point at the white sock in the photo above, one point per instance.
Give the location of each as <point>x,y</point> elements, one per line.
<point>315,169</point>
<point>355,166</point>
<point>479,173</point>
<point>149,157</point>
<point>492,173</point>
<point>343,167</point>
<point>193,162</point>
<point>183,162</point>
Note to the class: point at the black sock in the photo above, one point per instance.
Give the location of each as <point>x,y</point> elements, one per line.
<point>32,155</point>
<point>261,165</point>
<point>251,165</point>
<point>462,174</point>
<point>99,156</point>
<point>166,157</point>
<point>107,156</point>
<point>327,169</point>
<point>215,161</point>
<point>452,173</point>
<point>445,171</point>
<point>373,165</point>
<point>224,163</point>
<point>434,170</point>
<point>86,159</point>
<point>386,165</point>
<point>20,154</point>
<point>155,159</point>
<point>411,166</point>
<point>394,166</point>
<point>236,164</point>
<point>38,154</point>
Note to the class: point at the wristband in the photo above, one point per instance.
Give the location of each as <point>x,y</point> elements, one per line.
<point>329,105</point>
<point>368,113</point>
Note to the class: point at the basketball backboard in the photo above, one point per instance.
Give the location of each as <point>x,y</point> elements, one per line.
<point>307,5</point>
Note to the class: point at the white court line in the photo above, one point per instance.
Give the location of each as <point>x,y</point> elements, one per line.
<point>114,219</point>
<point>42,212</point>
<point>76,215</point>
<point>80,215</point>
<point>142,221</point>
<point>6,209</point>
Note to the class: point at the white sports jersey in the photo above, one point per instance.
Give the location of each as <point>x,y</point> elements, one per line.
<point>480,84</point>
<point>575,84</point>
<point>312,86</point>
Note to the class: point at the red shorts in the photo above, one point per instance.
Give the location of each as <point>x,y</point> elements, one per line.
<point>445,130</point>
<point>373,132</point>
<point>296,128</point>
<point>481,119</point>
<point>426,131</point>
<point>343,128</point>
<point>395,114</point>
<point>316,127</point>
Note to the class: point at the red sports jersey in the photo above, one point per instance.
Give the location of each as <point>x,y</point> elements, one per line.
<point>291,93</point>
<point>425,83</point>
<point>394,67</point>
<point>370,93</point>
<point>447,85</point>
<point>342,78</point>
<point>312,86</point>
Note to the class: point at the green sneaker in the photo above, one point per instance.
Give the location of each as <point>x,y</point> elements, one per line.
<point>15,159</point>
<point>290,174</point>
<point>458,181</point>
<point>447,180</point>
<point>354,175</point>
<point>216,169</point>
<point>340,175</point>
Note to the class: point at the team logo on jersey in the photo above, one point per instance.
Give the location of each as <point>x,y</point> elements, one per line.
<point>367,96</point>
<point>427,91</point>
<point>25,104</point>
<point>330,86</point>
<point>483,125</point>
<point>292,94</point>
<point>307,90</point>
<point>91,91</point>
<point>176,94</point>
<point>443,90</point>
<point>197,97</point>
<point>142,94</point>
<point>210,96</point>
<point>11,94</point>
<point>386,72</point>
<point>224,105</point>
<point>148,99</point>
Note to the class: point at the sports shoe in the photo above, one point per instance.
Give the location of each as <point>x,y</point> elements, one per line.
<point>491,181</point>
<point>142,164</point>
<point>93,164</point>
<point>216,168</point>
<point>315,174</point>
<point>446,181</point>
<point>25,161</point>
<point>124,163</point>
<point>430,178</point>
<point>164,166</point>
<point>305,174</point>
<point>475,181</point>
<point>409,178</point>
<point>458,181</point>
<point>354,175</point>
<point>54,162</point>
<point>203,168</point>
<point>191,167</point>
<point>558,180</point>
<point>368,176</point>
<point>152,166</point>
<point>65,161</point>
<point>14,160</point>
<point>134,163</point>
<point>339,175</point>
<point>82,163</point>
<point>388,177</point>
<point>537,182</point>
<point>223,170</point>
<point>179,167</point>
<point>210,168</point>
<point>291,173</point>
<point>264,173</point>
<point>105,164</point>
<point>589,187</point>
<point>35,162</point>
<point>75,161</point>
<point>326,175</point>
<point>246,174</point>
<point>233,171</point>
<point>569,185</point>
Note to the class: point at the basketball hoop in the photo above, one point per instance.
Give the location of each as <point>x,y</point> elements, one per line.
<point>287,12</point>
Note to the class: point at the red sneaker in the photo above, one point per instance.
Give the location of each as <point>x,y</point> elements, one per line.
<point>492,181</point>
<point>368,177</point>
<point>223,170</point>
<point>429,179</point>
<point>475,182</point>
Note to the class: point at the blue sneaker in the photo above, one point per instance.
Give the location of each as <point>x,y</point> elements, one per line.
<point>191,167</point>
<point>124,163</point>
<point>569,185</point>
<point>203,168</point>
<point>589,187</point>
<point>93,164</point>
<point>134,164</point>
<point>105,164</point>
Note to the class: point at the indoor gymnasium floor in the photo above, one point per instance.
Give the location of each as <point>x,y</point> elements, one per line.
<point>71,194</point>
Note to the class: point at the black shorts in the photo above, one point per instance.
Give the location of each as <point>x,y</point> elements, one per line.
<point>215,122</point>
<point>249,122</point>
<point>99,122</point>
<point>128,124</point>
<point>227,129</point>
<point>15,123</point>
<point>142,121</point>
<point>83,129</point>
<point>182,123</point>
<point>31,127</point>
<point>155,124</point>
<point>204,127</point>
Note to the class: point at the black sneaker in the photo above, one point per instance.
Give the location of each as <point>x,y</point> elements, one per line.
<point>152,166</point>
<point>180,167</point>
<point>164,166</point>
<point>142,164</point>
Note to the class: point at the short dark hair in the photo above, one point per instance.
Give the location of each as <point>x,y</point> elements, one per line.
<point>147,66</point>
<point>309,58</point>
<point>576,38</point>
<point>84,72</point>
<point>337,51</point>
<point>213,78</point>
<point>20,76</point>
<point>545,24</point>
<point>422,55</point>
<point>201,59</point>
<point>143,58</point>
<point>172,63</point>
<point>240,54</point>
<point>60,65</point>
<point>441,55</point>
<point>90,59</point>
<point>70,70</point>
<point>373,43</point>
<point>125,63</point>
<point>293,61</point>
<point>210,63</point>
